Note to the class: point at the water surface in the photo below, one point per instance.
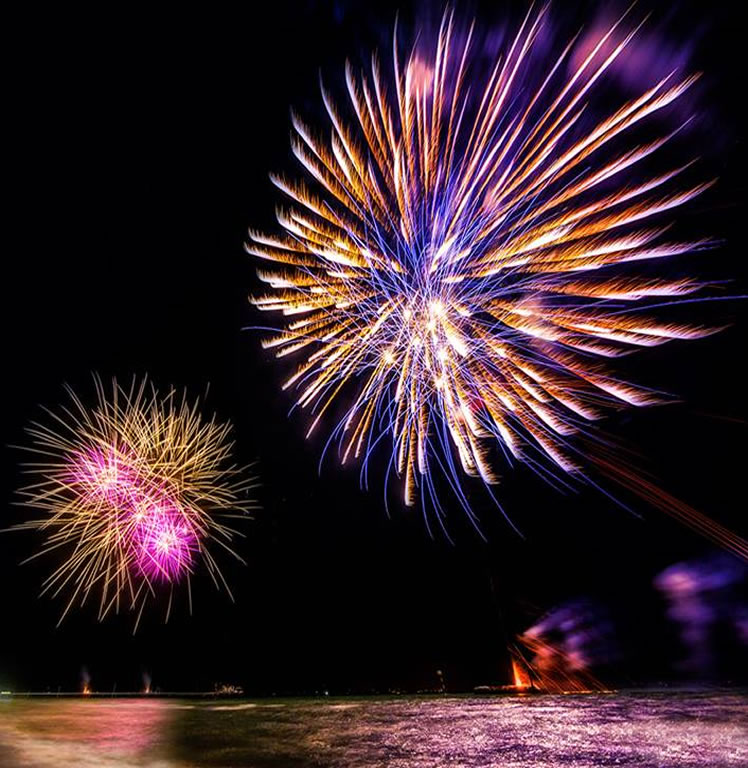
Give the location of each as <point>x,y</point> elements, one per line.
<point>662,730</point>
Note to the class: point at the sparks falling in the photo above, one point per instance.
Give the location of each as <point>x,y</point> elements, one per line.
<point>467,251</point>
<point>133,492</point>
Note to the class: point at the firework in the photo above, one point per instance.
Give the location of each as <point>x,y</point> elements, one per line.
<point>466,251</point>
<point>134,491</point>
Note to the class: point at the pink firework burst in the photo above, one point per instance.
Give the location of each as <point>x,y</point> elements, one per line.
<point>134,491</point>
<point>164,539</point>
<point>155,533</point>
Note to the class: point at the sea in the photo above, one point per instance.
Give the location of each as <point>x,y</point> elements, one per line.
<point>636,728</point>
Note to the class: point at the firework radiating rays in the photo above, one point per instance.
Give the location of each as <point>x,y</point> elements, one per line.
<point>135,491</point>
<point>468,248</point>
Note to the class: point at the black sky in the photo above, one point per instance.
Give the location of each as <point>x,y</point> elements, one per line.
<point>140,143</point>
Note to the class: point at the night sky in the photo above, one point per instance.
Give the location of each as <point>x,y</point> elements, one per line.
<point>140,146</point>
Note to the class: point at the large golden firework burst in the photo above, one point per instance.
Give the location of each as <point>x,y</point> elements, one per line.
<point>468,249</point>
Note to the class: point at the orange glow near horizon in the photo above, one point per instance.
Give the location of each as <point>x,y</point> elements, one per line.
<point>520,676</point>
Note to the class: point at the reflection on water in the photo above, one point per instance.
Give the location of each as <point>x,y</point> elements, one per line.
<point>72,732</point>
<point>673,730</point>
